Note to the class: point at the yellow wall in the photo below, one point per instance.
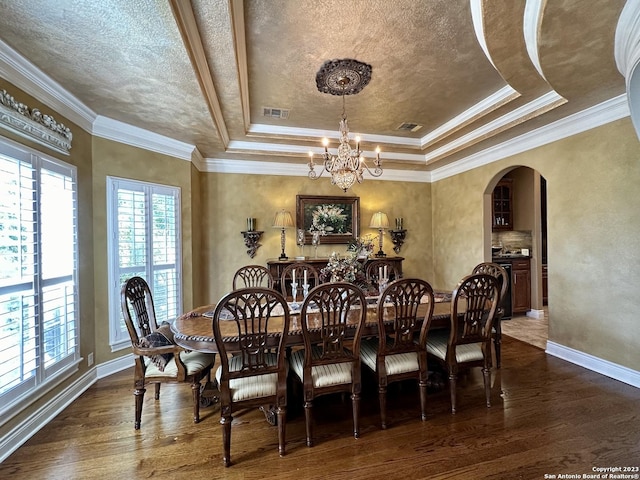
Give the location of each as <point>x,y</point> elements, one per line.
<point>228,199</point>
<point>593,236</point>
<point>120,160</point>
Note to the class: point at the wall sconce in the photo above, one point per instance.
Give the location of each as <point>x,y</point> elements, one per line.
<point>282,220</point>
<point>398,235</point>
<point>380,221</point>
<point>251,237</point>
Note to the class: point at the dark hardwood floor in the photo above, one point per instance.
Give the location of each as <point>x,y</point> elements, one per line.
<point>548,417</point>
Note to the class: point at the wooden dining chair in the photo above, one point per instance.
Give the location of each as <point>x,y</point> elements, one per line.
<point>253,369</point>
<point>396,355</point>
<point>157,359</point>
<point>252,276</point>
<point>300,269</point>
<point>503,277</point>
<point>332,317</point>
<point>473,309</point>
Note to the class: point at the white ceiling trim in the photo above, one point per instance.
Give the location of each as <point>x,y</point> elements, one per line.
<point>302,150</point>
<point>519,114</point>
<point>313,133</point>
<point>110,129</point>
<point>531,26</point>
<point>478,26</point>
<point>601,114</point>
<point>21,72</point>
<point>480,109</point>
<point>249,167</point>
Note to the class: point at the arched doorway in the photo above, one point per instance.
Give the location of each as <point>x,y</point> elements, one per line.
<point>515,237</point>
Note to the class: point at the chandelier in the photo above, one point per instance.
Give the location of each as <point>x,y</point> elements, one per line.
<point>344,77</point>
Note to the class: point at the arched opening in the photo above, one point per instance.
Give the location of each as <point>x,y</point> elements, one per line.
<point>515,234</point>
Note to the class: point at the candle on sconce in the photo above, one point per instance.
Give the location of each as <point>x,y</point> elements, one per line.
<point>251,224</point>
<point>399,223</point>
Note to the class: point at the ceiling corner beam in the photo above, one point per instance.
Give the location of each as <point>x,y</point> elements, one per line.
<point>186,21</point>
<point>240,42</point>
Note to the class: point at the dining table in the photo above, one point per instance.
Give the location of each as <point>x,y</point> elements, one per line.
<point>193,330</point>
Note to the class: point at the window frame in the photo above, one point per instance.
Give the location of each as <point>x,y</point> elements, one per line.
<point>119,338</point>
<point>46,374</point>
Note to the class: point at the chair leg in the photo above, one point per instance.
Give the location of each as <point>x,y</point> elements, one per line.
<point>225,421</point>
<point>382,397</point>
<point>308,405</point>
<point>139,397</point>
<point>452,389</point>
<point>282,420</point>
<point>195,390</point>
<point>497,339</point>
<point>423,399</point>
<point>486,373</point>
<point>355,400</point>
<point>157,395</point>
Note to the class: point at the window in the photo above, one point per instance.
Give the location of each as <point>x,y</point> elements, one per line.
<point>39,338</point>
<point>144,226</point>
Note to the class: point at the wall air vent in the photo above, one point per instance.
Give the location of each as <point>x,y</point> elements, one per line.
<point>409,127</point>
<point>281,113</point>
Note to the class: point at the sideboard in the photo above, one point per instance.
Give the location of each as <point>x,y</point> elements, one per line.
<point>276,266</point>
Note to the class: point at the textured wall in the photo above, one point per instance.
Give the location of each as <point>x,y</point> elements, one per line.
<point>119,160</point>
<point>593,236</point>
<point>228,199</point>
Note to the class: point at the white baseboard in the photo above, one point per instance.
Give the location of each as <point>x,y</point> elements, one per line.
<point>535,313</point>
<point>22,432</point>
<point>609,369</point>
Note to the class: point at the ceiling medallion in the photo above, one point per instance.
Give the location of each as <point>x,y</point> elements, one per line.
<point>344,77</point>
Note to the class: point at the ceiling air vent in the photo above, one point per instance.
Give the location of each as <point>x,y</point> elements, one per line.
<point>409,127</point>
<point>281,113</point>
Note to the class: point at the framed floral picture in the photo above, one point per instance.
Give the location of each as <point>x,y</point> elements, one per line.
<point>337,219</point>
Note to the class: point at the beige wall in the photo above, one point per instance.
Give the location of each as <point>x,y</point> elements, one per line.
<point>119,160</point>
<point>228,199</point>
<point>593,236</point>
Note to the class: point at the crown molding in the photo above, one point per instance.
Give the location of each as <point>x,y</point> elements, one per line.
<point>601,114</point>
<point>22,73</point>
<point>110,129</point>
<point>525,112</point>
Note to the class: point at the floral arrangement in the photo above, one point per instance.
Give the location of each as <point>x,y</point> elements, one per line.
<point>347,269</point>
<point>328,219</point>
<point>361,246</point>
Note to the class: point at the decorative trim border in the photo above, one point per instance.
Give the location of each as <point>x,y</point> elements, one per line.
<point>595,364</point>
<point>601,114</point>
<point>32,124</point>
<point>137,137</point>
<point>20,71</point>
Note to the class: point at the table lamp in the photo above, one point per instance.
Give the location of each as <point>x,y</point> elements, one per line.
<point>380,221</point>
<point>282,220</point>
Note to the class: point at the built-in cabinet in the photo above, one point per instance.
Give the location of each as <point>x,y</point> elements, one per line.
<point>521,285</point>
<point>502,205</point>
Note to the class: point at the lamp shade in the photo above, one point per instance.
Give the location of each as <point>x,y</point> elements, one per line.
<point>379,220</point>
<point>282,219</point>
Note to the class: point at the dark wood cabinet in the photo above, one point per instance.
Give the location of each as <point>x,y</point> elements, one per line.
<point>502,205</point>
<point>521,285</point>
<point>276,266</point>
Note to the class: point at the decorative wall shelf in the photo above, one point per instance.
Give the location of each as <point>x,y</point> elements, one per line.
<point>251,239</point>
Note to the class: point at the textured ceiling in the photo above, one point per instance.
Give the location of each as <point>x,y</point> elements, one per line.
<point>472,73</point>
